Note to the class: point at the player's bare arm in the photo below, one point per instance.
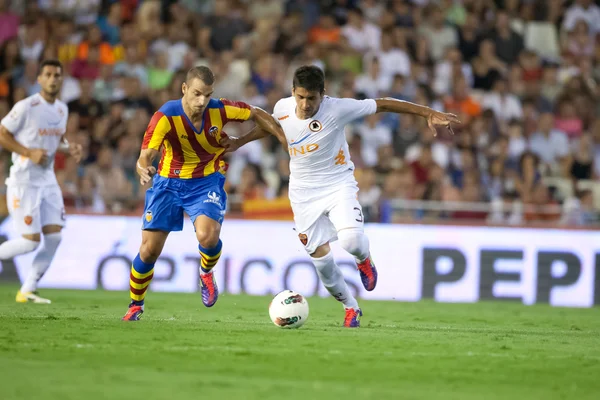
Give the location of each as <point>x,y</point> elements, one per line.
<point>231,143</point>
<point>75,150</point>
<point>8,142</point>
<point>434,118</point>
<point>265,121</point>
<point>144,165</point>
<point>267,126</point>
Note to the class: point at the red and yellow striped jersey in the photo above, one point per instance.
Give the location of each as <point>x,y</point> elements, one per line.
<point>186,152</point>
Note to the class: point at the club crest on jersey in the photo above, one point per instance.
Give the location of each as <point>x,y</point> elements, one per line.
<point>315,126</point>
<point>213,131</point>
<point>303,238</point>
<point>28,220</point>
<point>148,216</point>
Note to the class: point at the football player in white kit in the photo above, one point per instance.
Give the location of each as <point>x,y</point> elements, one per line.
<point>33,131</point>
<point>323,190</point>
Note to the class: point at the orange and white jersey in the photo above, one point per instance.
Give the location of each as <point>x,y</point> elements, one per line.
<point>319,155</point>
<point>36,124</point>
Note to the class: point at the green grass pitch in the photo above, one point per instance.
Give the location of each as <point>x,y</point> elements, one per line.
<point>77,348</point>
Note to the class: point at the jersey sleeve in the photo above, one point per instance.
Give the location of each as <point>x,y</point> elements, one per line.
<point>157,129</point>
<point>15,118</point>
<point>236,110</point>
<point>349,110</point>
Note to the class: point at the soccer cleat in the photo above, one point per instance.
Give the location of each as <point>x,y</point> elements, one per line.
<point>31,297</point>
<point>368,273</point>
<point>133,313</point>
<point>210,291</point>
<point>352,319</point>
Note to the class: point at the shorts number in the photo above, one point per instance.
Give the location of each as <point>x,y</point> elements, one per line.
<point>360,215</point>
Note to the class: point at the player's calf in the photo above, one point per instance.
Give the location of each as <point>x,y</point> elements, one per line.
<point>208,285</point>
<point>140,276</point>
<point>355,242</point>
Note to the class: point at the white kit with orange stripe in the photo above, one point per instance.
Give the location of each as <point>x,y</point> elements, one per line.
<point>322,186</point>
<point>34,197</point>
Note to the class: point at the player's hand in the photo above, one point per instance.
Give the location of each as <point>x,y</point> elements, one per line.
<point>146,173</point>
<point>230,143</point>
<point>76,151</point>
<point>38,156</point>
<point>443,119</point>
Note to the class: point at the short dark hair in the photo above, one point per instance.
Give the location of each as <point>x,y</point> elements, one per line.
<point>310,78</point>
<point>200,72</point>
<point>50,63</point>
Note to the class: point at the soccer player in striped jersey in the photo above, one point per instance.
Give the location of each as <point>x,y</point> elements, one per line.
<point>190,178</point>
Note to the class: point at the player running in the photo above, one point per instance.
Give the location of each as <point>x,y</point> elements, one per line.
<point>33,131</point>
<point>322,189</point>
<point>190,178</point>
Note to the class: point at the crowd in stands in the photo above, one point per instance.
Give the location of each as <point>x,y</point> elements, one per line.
<point>521,74</point>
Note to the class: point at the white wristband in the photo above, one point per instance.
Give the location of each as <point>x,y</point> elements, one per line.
<point>64,145</point>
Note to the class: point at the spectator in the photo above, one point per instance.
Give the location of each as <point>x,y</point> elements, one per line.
<point>506,106</point>
<point>550,144</point>
<point>374,135</point>
<point>362,35</point>
<point>9,23</point>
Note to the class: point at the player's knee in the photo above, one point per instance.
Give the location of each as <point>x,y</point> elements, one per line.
<point>354,241</point>
<point>149,252</point>
<point>208,238</point>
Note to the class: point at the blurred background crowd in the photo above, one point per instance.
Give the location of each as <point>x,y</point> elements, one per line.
<point>522,75</point>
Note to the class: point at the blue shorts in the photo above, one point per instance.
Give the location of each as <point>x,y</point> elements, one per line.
<point>168,198</point>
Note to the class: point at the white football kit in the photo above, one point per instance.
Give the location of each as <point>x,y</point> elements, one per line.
<point>323,191</point>
<point>34,197</point>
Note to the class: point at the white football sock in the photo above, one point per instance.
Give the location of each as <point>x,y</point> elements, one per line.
<point>355,242</point>
<point>41,261</point>
<point>16,247</point>
<point>333,280</point>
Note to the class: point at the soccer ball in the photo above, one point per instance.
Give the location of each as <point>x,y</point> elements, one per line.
<point>288,310</point>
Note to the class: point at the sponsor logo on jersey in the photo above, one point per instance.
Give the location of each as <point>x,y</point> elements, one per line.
<point>309,148</point>
<point>284,117</point>
<point>213,130</point>
<point>50,132</point>
<point>315,126</point>
<point>213,197</point>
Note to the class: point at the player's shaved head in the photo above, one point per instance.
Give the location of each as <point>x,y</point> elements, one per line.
<point>310,78</point>
<point>200,72</point>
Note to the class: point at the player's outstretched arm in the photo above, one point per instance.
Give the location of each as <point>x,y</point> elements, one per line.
<point>8,142</point>
<point>434,118</point>
<point>266,122</point>
<point>231,143</point>
<point>144,165</point>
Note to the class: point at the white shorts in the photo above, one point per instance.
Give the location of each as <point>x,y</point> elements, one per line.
<point>318,221</point>
<point>32,208</point>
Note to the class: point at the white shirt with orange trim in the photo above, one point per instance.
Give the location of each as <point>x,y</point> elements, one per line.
<point>319,155</point>
<point>36,124</point>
